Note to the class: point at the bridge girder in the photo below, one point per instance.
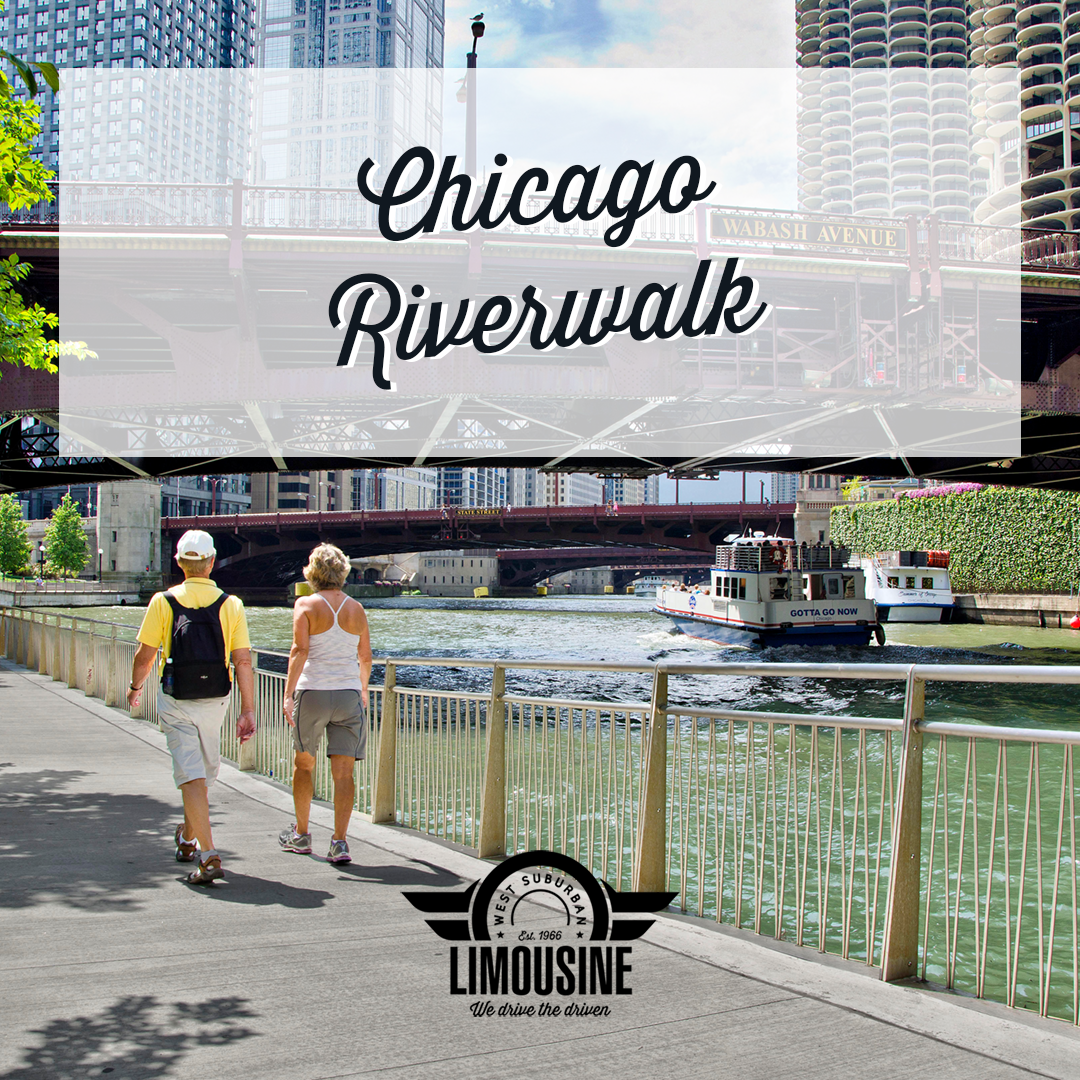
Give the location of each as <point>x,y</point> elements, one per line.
<point>271,549</point>
<point>1049,435</point>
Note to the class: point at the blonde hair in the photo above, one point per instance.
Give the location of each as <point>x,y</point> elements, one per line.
<point>195,567</point>
<point>327,567</point>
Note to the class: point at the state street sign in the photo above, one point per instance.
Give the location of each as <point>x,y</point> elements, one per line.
<point>779,231</point>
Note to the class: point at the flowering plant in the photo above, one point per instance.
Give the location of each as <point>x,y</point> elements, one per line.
<point>944,489</point>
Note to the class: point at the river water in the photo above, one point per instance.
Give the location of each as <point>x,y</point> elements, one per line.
<point>624,630</point>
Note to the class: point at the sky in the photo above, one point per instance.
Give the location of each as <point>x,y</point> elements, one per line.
<point>727,487</point>
<point>555,117</point>
<point>748,147</point>
<point>625,33</point>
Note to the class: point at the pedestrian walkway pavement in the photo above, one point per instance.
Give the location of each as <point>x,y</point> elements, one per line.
<point>298,969</point>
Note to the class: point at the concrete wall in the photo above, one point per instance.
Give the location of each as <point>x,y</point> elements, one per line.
<point>1016,609</point>
<point>129,533</point>
<point>812,518</point>
<point>455,573</point>
<point>590,582</point>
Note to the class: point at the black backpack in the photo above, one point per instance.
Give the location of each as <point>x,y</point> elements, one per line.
<point>196,666</point>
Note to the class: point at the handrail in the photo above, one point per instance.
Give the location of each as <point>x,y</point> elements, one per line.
<point>902,841</point>
<point>142,205</point>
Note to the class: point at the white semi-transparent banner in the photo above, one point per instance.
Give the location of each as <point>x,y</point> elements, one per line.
<point>641,265</point>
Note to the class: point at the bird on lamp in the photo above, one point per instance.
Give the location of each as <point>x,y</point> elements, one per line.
<point>480,16</point>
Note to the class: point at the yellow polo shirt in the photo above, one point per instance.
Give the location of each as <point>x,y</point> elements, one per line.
<point>156,628</point>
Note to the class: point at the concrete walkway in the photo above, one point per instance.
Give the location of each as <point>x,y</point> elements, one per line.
<point>297,969</point>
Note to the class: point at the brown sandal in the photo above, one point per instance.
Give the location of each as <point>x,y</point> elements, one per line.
<point>209,871</point>
<point>186,850</point>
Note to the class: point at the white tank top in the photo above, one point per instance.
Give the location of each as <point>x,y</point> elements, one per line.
<point>332,662</point>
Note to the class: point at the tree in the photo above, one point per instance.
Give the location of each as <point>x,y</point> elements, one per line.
<point>852,489</point>
<point>65,541</point>
<point>14,546</point>
<point>24,180</point>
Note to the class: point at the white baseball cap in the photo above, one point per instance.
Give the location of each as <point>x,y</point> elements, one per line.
<point>195,544</point>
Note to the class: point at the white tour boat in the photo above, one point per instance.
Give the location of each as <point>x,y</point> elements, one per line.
<point>910,586</point>
<point>767,590</point>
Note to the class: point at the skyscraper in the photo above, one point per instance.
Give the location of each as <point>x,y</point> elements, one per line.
<point>471,486</point>
<point>884,131</point>
<point>1042,39</point>
<point>131,34</point>
<point>873,33</point>
<point>783,487</point>
<point>352,33</point>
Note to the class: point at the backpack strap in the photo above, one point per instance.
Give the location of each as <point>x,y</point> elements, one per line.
<point>212,609</point>
<point>177,607</point>
<point>216,606</point>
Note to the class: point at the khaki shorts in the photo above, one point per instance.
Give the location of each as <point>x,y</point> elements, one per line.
<point>340,712</point>
<point>193,733</point>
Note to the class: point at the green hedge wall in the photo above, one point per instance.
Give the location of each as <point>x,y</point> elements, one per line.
<point>1008,540</point>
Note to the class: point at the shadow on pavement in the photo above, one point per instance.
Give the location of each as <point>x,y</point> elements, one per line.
<point>413,873</point>
<point>260,892</point>
<point>85,849</point>
<point>136,1038</point>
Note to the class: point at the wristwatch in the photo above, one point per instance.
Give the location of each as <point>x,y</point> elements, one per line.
<point>132,686</point>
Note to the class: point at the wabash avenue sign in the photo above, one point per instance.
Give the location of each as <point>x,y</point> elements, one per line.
<point>779,231</point>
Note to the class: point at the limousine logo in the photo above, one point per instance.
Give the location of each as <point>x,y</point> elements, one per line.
<point>539,924</point>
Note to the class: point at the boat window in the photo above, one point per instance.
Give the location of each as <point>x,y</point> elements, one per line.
<point>742,588</point>
<point>894,583</point>
<point>910,582</point>
<point>849,586</point>
<point>833,586</point>
<point>927,582</point>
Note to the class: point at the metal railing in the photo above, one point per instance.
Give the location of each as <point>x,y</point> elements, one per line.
<point>239,209</point>
<point>942,851</point>
<point>50,586</point>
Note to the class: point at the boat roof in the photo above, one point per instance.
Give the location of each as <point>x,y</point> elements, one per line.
<point>758,540</point>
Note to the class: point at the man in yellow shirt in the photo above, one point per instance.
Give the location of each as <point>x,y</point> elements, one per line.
<point>192,723</point>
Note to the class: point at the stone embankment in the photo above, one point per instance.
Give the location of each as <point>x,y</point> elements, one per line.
<point>1016,609</point>
<point>80,594</point>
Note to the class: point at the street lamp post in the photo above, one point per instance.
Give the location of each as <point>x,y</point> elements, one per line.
<point>100,552</point>
<point>215,483</point>
<point>475,242</point>
<point>470,98</point>
<point>41,561</point>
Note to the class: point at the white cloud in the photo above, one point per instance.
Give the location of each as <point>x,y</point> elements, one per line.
<point>739,124</point>
<point>701,33</point>
<point>678,33</point>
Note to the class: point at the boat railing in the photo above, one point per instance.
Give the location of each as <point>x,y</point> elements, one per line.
<point>759,558</point>
<point>924,847</point>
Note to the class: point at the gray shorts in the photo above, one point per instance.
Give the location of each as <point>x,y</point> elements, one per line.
<point>340,712</point>
<point>193,733</point>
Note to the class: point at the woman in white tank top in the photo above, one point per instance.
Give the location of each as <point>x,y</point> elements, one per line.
<point>326,690</point>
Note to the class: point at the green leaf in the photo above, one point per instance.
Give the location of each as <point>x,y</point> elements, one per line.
<point>50,75</point>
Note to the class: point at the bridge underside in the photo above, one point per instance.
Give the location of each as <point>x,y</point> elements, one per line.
<point>525,568</point>
<point>256,549</point>
<point>761,373</point>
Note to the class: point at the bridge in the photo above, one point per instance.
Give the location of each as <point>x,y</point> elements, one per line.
<point>271,549</point>
<point>517,568</point>
<point>843,344</point>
